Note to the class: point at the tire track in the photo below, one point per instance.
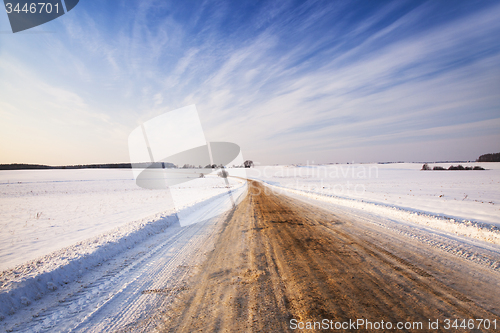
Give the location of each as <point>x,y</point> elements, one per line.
<point>279,259</point>
<point>110,298</point>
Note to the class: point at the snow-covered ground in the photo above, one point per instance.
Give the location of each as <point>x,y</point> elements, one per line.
<point>59,226</point>
<point>88,249</point>
<point>464,202</point>
<point>115,292</point>
<point>46,210</point>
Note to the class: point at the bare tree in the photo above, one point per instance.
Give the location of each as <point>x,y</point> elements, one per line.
<point>223,173</point>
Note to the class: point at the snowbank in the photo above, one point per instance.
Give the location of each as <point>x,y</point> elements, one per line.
<point>30,281</point>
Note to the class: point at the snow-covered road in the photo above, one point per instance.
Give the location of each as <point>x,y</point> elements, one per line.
<point>280,259</point>
<point>127,271</point>
<point>124,289</point>
<point>482,253</point>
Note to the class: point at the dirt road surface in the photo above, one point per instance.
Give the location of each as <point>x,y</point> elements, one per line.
<point>279,262</point>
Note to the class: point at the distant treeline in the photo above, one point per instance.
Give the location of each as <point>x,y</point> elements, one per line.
<point>18,166</point>
<point>489,158</point>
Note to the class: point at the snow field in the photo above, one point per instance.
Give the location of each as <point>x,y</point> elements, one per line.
<point>107,195</point>
<point>46,210</point>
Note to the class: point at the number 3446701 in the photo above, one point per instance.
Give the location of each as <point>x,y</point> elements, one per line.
<point>33,8</point>
<point>484,324</point>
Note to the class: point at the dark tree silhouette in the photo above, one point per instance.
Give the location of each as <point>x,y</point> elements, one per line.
<point>489,158</point>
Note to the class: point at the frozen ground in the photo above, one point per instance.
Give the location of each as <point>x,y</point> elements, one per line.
<point>59,227</point>
<point>103,252</point>
<point>464,202</point>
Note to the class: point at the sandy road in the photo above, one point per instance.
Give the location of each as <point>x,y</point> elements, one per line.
<point>278,259</point>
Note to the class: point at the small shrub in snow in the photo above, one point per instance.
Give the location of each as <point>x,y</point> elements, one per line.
<point>426,167</point>
<point>452,167</point>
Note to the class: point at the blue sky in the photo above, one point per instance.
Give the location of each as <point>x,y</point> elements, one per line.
<point>289,81</point>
